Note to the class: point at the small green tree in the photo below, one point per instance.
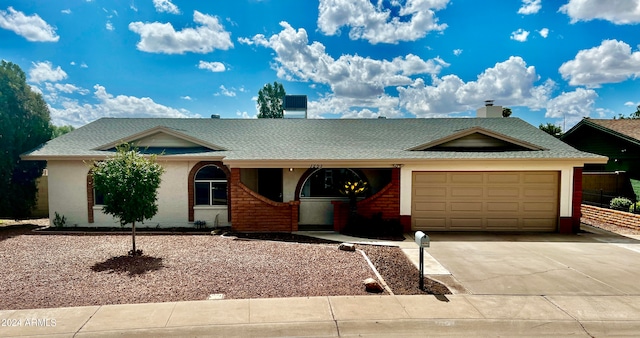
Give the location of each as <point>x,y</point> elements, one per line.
<point>129,182</point>
<point>270,99</point>
<point>506,112</point>
<point>551,129</point>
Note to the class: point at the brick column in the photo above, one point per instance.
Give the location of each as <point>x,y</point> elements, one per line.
<point>577,200</point>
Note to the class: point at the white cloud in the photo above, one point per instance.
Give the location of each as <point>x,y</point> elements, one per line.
<point>133,7</point>
<point>66,88</point>
<point>530,7</point>
<point>350,75</point>
<point>66,11</point>
<point>611,62</point>
<point>32,28</point>
<point>246,115</point>
<point>345,107</point>
<point>186,97</point>
<point>165,6</point>
<point>44,71</point>
<point>632,104</point>
<point>375,24</point>
<point>572,106</point>
<point>212,66</point>
<point>457,52</point>
<point>225,92</point>
<point>83,65</point>
<point>77,114</point>
<point>509,83</point>
<point>109,26</point>
<point>620,12</point>
<point>520,35</point>
<point>159,37</point>
<point>544,32</point>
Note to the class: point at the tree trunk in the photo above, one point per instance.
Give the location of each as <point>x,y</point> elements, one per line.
<point>133,238</point>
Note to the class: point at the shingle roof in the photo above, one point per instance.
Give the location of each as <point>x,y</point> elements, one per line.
<point>307,139</point>
<point>627,127</point>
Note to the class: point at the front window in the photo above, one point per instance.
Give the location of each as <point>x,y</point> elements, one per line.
<point>326,182</point>
<point>210,186</point>
<point>98,197</point>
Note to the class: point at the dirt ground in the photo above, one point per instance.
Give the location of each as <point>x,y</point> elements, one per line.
<point>44,270</point>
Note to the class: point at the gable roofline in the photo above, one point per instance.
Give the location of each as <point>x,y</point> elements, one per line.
<point>589,123</point>
<point>156,130</point>
<point>476,130</point>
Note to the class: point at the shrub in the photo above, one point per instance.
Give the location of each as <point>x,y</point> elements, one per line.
<point>620,203</point>
<point>200,224</point>
<point>374,227</point>
<point>635,208</point>
<point>59,221</point>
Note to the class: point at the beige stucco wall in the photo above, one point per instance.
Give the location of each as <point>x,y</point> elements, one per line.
<point>67,191</point>
<point>289,182</point>
<point>172,200</point>
<point>565,168</point>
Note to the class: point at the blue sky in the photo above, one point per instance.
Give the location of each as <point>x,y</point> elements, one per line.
<point>550,61</point>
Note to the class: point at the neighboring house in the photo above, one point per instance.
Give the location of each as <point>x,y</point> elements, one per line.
<point>617,139</point>
<point>451,174</point>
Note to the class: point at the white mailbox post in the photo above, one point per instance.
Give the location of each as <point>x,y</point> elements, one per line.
<point>423,242</point>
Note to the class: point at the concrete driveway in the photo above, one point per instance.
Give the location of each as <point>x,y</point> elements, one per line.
<point>587,264</point>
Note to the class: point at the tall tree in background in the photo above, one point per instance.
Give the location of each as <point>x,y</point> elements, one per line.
<point>551,129</point>
<point>24,124</point>
<point>129,182</point>
<point>506,112</point>
<point>270,99</point>
<point>635,115</point>
<point>61,130</point>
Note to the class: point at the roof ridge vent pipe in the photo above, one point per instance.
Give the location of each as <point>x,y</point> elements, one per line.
<point>488,103</point>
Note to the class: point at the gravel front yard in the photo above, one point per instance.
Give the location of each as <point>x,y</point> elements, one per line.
<point>40,271</point>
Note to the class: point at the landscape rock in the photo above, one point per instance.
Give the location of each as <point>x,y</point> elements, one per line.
<point>347,247</point>
<point>372,285</point>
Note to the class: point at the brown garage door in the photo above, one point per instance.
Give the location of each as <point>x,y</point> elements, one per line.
<point>485,201</point>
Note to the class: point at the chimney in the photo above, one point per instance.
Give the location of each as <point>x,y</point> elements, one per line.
<point>489,110</point>
<point>294,107</point>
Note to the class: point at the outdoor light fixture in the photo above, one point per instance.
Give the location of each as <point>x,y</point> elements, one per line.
<point>396,165</point>
<point>290,169</point>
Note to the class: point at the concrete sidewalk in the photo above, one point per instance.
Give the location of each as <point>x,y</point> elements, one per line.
<point>340,316</point>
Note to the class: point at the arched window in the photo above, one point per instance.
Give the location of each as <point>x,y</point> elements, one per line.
<point>325,182</point>
<point>210,186</point>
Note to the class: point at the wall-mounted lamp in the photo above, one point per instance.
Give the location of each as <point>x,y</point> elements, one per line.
<point>291,169</point>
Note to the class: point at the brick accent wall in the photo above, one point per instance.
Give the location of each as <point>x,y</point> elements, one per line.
<point>252,212</point>
<point>594,215</point>
<point>577,199</point>
<point>191,185</point>
<point>385,201</point>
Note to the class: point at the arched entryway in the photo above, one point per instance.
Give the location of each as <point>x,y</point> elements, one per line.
<point>316,189</point>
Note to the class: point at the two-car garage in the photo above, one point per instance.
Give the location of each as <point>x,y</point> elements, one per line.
<point>485,201</point>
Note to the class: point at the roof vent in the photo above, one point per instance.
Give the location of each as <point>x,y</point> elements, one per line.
<point>215,116</point>
<point>488,103</point>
